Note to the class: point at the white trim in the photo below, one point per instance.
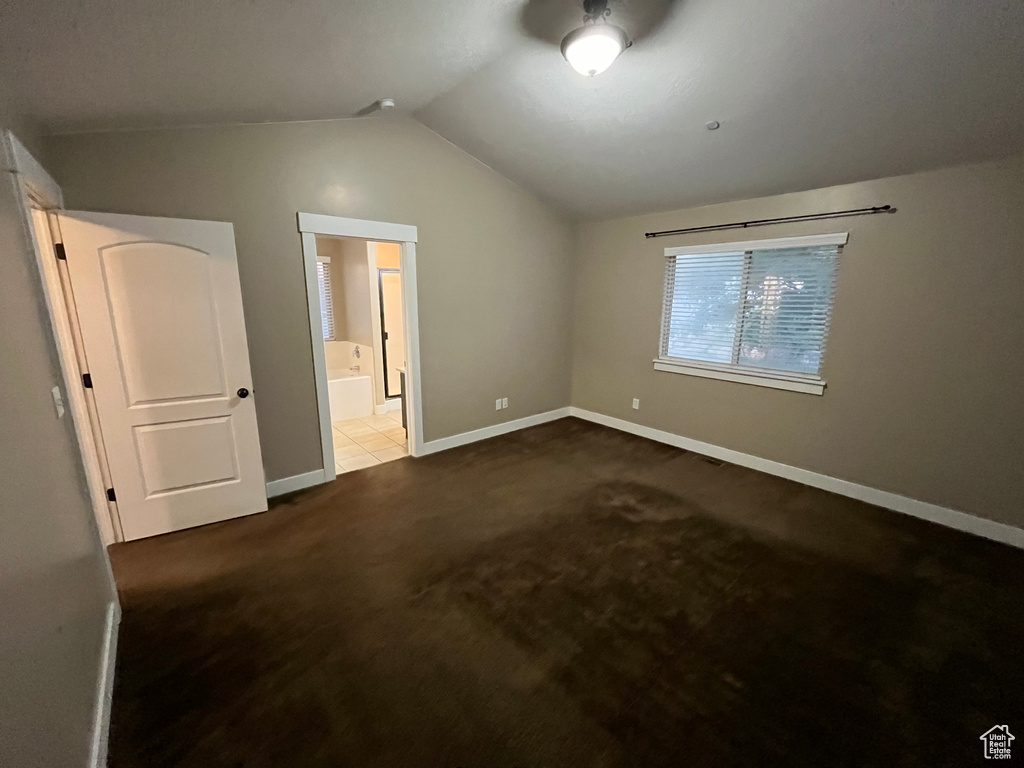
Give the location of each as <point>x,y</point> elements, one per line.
<point>339,226</point>
<point>296,483</point>
<point>394,404</point>
<point>316,333</point>
<point>445,443</point>
<point>105,688</point>
<point>773,379</point>
<point>806,241</point>
<point>951,518</point>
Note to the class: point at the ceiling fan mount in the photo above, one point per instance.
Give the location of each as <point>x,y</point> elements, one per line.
<point>595,9</point>
<point>549,20</point>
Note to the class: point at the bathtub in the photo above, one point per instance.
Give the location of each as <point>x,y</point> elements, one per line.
<point>350,394</point>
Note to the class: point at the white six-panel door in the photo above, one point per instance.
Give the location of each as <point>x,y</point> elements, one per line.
<point>160,309</point>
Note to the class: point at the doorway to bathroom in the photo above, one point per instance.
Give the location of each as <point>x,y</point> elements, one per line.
<point>360,280</point>
<point>359,284</point>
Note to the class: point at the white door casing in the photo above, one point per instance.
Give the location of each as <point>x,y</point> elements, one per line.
<point>160,309</point>
<point>312,224</point>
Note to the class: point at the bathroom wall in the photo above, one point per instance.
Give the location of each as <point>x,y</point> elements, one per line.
<point>339,356</point>
<point>350,281</point>
<point>354,273</point>
<point>350,284</point>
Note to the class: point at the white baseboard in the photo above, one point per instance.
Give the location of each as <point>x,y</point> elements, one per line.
<point>105,688</point>
<point>388,407</point>
<point>294,483</point>
<point>951,518</point>
<point>444,443</point>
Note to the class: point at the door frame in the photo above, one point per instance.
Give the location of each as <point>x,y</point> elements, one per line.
<point>37,189</point>
<point>384,330</point>
<point>312,224</point>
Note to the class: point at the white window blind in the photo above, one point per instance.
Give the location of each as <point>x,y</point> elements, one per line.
<point>323,280</point>
<point>763,309</point>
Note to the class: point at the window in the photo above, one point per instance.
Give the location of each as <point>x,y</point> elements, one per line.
<point>323,281</point>
<point>756,312</point>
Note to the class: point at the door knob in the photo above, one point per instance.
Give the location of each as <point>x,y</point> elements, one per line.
<point>243,392</point>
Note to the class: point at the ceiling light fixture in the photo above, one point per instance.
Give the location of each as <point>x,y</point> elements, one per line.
<point>592,48</point>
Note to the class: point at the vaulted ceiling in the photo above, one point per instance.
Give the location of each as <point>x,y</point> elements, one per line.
<point>808,92</point>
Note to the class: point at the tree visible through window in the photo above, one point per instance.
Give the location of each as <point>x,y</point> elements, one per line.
<point>765,309</point>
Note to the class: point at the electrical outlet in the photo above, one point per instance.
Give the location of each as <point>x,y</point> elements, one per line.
<point>58,402</point>
<point>636,403</point>
<point>504,402</point>
<point>497,404</point>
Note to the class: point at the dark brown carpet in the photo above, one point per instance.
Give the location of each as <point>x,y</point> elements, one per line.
<point>566,596</point>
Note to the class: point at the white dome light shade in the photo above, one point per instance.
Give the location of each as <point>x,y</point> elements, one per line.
<point>592,49</point>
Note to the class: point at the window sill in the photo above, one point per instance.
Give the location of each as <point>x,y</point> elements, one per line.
<point>792,382</point>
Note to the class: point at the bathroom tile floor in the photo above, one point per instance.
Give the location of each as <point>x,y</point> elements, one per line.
<point>361,443</point>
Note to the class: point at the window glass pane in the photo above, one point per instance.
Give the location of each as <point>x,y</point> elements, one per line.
<point>786,309</point>
<point>703,307</point>
<point>767,308</point>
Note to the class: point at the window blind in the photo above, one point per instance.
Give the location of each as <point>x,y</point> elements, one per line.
<point>767,309</point>
<point>323,279</point>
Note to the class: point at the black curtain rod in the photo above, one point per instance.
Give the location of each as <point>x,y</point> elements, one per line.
<point>780,220</point>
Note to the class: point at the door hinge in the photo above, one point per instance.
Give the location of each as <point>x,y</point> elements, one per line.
<point>111,496</point>
<point>87,380</point>
<point>58,248</point>
<point>385,335</point>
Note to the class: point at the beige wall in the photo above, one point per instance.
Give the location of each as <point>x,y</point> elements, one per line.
<point>53,580</point>
<point>925,374</point>
<point>494,272</point>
